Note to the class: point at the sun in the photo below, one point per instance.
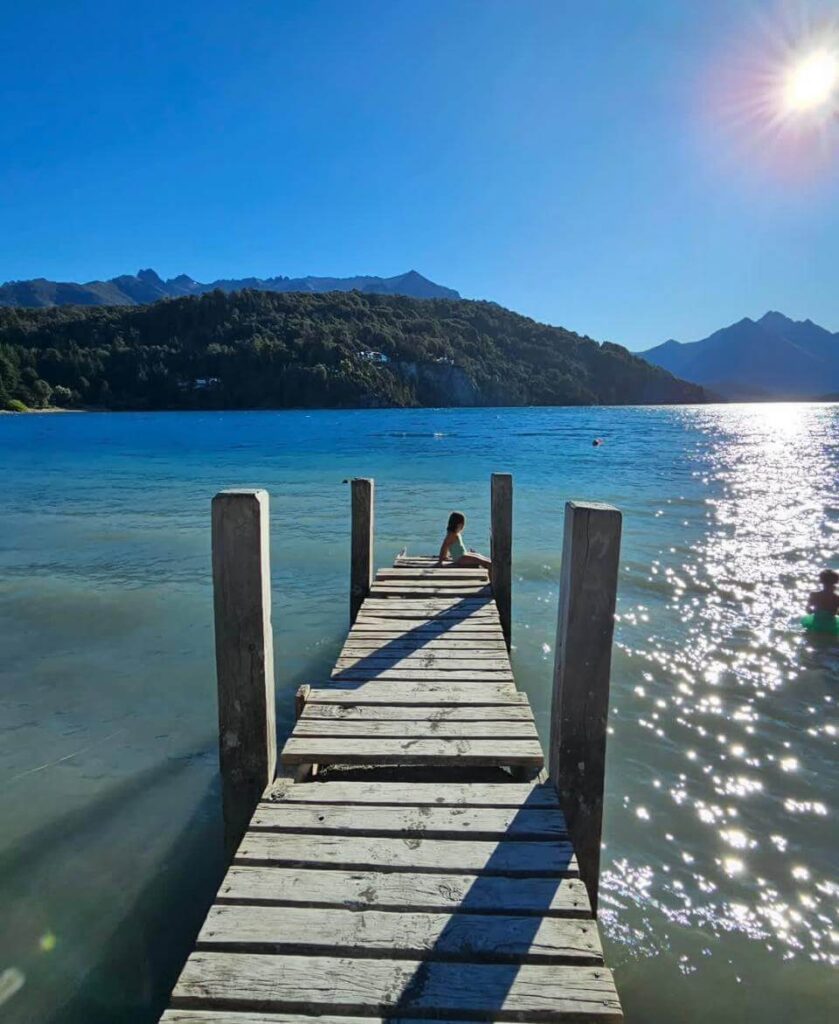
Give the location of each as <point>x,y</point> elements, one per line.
<point>811,82</point>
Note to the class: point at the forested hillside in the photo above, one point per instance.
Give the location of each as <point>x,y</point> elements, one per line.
<point>254,349</point>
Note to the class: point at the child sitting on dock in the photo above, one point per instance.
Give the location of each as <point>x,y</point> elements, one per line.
<point>824,605</point>
<point>453,548</point>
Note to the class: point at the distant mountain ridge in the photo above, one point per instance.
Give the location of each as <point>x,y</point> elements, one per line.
<point>773,357</point>
<point>147,286</point>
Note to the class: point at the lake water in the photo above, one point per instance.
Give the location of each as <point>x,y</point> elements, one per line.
<point>719,888</point>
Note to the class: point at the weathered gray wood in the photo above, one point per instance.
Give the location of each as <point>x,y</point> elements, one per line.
<point>417,627</point>
<point>208,1016</point>
<point>409,591</point>
<point>433,574</point>
<point>409,935</point>
<point>423,822</point>
<point>419,674</point>
<point>546,859</point>
<point>419,657</point>
<point>361,544</point>
<point>444,752</point>
<point>501,549</point>
<point>464,604</point>
<point>590,560</point>
<point>244,653</point>
<point>430,586</point>
<point>449,794</point>
<point>440,694</point>
<point>498,715</point>
<point>342,985</point>
<point>454,646</point>
<point>300,698</point>
<point>239,1017</point>
<point>405,891</point>
<point>398,609</point>
<point>424,729</point>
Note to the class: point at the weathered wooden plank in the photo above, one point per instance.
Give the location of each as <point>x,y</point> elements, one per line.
<point>431,572</point>
<point>311,984</point>
<point>428,588</point>
<point>362,498</point>
<point>392,629</point>
<point>244,653</point>
<point>426,728</point>
<point>396,591</point>
<point>421,610</point>
<point>548,859</point>
<point>238,1017</point>
<point>586,621</point>
<point>405,891</point>
<point>498,714</point>
<point>411,595</point>
<point>370,750</point>
<point>501,548</point>
<point>432,694</point>
<point>439,673</point>
<point>424,822</point>
<point>448,794</point>
<point>409,935</point>
<point>465,604</point>
<point>447,660</point>
<point>442,647</point>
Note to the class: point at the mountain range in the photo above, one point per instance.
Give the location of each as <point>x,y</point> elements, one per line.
<point>773,357</point>
<point>147,286</point>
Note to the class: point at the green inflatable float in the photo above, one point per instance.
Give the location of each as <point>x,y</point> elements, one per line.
<point>821,622</point>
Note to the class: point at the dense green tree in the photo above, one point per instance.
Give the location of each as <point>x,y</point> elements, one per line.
<point>254,349</point>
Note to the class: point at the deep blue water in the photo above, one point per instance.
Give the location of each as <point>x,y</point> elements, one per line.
<point>719,884</point>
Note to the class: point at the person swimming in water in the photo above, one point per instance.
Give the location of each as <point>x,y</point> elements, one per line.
<point>823,605</point>
<point>453,547</point>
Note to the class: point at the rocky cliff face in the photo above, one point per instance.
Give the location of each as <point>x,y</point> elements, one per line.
<point>439,383</point>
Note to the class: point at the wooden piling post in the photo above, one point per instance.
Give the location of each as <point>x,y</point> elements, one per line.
<point>244,654</point>
<point>361,544</point>
<point>501,549</point>
<point>577,757</point>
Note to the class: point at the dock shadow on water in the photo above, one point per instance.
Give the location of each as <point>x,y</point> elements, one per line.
<point>106,945</point>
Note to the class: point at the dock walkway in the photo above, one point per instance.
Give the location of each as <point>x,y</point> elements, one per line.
<point>368,894</point>
<point>424,678</point>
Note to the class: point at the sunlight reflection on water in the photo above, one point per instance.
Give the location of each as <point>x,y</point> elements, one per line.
<point>720,826</point>
<point>738,705</point>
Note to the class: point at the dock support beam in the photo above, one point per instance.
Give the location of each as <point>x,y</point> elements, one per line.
<point>501,549</point>
<point>361,545</point>
<point>244,655</point>
<point>577,758</point>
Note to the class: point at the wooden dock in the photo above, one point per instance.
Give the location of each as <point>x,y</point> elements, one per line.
<point>411,860</point>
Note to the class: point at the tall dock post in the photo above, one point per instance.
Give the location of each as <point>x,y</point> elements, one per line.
<point>501,549</point>
<point>361,544</point>
<point>244,654</point>
<point>577,757</point>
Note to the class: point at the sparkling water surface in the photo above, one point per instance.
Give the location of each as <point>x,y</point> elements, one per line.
<point>719,887</point>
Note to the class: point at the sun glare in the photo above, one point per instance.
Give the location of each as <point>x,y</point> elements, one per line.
<point>811,82</point>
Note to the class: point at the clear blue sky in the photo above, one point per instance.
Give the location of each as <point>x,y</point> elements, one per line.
<point>589,163</point>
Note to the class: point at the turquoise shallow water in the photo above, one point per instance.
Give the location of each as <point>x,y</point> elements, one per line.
<point>719,891</point>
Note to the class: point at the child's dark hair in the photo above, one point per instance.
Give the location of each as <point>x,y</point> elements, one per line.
<point>456,519</point>
<point>827,576</point>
